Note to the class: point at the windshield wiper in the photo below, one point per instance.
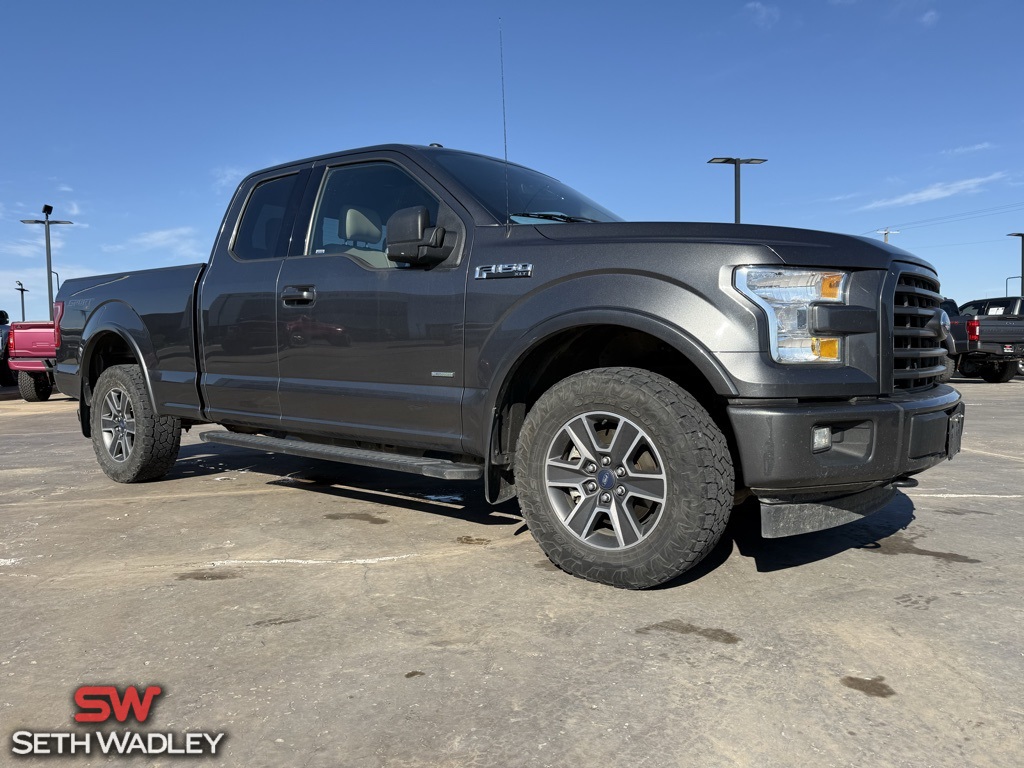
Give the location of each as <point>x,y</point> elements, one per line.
<point>556,217</point>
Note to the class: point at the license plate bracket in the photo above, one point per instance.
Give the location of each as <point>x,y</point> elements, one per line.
<point>955,431</point>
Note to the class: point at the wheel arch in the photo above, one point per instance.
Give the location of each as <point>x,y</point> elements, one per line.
<point>114,335</point>
<point>584,340</point>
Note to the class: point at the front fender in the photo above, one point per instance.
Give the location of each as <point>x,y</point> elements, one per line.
<point>677,314</point>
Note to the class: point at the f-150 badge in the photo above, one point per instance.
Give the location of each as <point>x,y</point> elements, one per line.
<point>491,271</point>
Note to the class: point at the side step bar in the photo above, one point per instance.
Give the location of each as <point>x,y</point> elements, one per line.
<point>440,468</point>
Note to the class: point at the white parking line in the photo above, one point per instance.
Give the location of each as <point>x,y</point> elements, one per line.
<point>285,561</point>
<point>966,496</point>
<point>998,455</point>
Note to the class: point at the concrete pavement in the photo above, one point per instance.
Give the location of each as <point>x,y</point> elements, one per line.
<point>327,615</point>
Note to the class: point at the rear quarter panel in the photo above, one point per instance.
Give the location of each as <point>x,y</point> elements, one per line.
<point>152,312</point>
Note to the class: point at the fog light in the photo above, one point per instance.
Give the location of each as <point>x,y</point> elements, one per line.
<point>821,439</point>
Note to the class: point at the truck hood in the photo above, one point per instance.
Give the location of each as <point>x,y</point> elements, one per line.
<point>798,247</point>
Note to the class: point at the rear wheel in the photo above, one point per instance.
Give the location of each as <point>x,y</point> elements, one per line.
<point>623,477</point>
<point>131,441</point>
<point>999,373</point>
<point>35,387</point>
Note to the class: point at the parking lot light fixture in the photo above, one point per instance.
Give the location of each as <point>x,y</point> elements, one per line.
<point>22,290</point>
<point>1021,236</point>
<point>47,210</point>
<point>736,162</point>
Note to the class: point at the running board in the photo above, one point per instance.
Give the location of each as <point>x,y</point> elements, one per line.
<point>440,468</point>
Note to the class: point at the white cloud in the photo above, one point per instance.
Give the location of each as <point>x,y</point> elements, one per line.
<point>842,2</point>
<point>935,192</point>
<point>968,149</point>
<point>34,246</point>
<point>64,188</point>
<point>930,18</point>
<point>764,16</point>
<point>841,198</point>
<point>22,249</point>
<point>180,243</point>
<point>225,179</point>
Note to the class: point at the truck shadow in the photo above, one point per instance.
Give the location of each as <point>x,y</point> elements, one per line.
<point>464,501</point>
<point>744,534</point>
<point>456,500</point>
<point>794,551</point>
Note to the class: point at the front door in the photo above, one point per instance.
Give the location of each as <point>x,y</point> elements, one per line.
<point>367,349</point>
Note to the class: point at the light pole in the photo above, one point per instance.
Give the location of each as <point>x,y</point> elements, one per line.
<point>47,210</point>
<point>1021,236</point>
<point>736,162</point>
<point>22,290</point>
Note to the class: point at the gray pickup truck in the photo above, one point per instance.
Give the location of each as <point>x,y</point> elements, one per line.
<point>987,337</point>
<point>444,313</point>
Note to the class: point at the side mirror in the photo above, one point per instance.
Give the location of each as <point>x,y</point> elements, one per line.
<point>411,240</point>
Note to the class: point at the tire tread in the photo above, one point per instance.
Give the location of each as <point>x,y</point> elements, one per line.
<point>157,438</point>
<point>712,472</point>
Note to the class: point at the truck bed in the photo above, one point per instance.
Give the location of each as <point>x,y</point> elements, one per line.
<point>32,346</point>
<point>157,325</point>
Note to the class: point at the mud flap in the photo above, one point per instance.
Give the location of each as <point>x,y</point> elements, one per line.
<point>789,518</point>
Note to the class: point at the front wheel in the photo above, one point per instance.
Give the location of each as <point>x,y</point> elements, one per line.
<point>132,443</point>
<point>623,477</point>
<point>947,375</point>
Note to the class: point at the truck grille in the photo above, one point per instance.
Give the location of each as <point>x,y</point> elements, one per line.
<point>918,355</point>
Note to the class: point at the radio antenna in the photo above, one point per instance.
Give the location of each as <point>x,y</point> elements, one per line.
<point>504,127</point>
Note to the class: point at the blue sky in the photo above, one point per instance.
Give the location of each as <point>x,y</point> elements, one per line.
<point>135,120</point>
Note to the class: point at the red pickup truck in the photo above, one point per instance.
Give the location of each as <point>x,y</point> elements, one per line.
<point>32,350</point>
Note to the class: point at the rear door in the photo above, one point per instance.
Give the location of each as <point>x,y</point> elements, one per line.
<point>367,349</point>
<point>238,301</point>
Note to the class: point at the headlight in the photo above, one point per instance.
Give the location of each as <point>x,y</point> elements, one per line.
<point>786,295</point>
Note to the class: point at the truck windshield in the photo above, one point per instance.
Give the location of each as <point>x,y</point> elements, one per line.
<point>532,197</point>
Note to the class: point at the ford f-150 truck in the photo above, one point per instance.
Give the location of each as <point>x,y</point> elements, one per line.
<point>989,337</point>
<point>31,349</point>
<point>466,318</point>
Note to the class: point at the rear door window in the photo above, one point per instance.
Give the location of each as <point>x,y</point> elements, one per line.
<point>261,231</point>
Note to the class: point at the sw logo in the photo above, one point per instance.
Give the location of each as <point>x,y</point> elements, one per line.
<point>98,702</point>
<point>107,704</point>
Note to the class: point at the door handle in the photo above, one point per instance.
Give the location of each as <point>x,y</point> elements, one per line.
<point>299,296</point>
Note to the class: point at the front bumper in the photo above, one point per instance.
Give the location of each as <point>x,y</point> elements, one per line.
<point>875,443</point>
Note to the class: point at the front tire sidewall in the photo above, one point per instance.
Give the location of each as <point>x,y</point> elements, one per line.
<point>156,440</point>
<point>699,476</point>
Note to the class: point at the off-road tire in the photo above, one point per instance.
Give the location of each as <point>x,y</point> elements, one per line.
<point>35,387</point>
<point>132,443</point>
<point>947,375</point>
<point>631,546</point>
<point>999,373</point>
